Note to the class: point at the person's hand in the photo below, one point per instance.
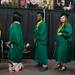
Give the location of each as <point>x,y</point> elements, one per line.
<point>27,45</point>
<point>59,33</point>
<point>7,44</point>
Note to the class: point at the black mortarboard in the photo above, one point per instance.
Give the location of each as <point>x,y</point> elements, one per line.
<point>16,14</point>
<point>65,14</point>
<point>40,14</point>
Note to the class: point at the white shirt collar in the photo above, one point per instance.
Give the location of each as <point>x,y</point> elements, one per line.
<point>17,22</point>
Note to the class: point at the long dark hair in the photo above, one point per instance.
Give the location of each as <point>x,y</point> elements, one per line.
<point>15,18</point>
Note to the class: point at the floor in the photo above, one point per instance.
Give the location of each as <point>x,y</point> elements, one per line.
<point>30,69</point>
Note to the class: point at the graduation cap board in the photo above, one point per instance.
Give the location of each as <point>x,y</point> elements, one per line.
<point>40,14</point>
<point>16,14</point>
<point>65,14</point>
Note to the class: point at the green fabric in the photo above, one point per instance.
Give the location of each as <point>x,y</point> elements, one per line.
<point>16,39</point>
<point>40,34</point>
<point>62,52</point>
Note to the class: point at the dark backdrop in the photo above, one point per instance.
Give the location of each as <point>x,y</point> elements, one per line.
<point>28,22</point>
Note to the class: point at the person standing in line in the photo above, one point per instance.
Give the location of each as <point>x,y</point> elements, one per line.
<point>40,40</point>
<point>62,53</point>
<point>15,44</point>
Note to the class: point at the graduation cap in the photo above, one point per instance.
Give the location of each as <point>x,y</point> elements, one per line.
<point>40,14</point>
<point>65,14</point>
<point>16,14</point>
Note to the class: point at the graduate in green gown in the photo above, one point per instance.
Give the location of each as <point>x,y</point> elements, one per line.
<point>40,40</point>
<point>62,52</point>
<point>15,43</point>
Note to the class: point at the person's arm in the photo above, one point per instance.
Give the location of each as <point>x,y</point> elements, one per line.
<point>68,31</point>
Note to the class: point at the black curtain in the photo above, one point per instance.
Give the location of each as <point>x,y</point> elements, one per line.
<point>28,22</point>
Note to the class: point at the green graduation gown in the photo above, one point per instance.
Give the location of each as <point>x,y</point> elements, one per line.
<point>40,35</point>
<point>16,46</point>
<point>63,42</point>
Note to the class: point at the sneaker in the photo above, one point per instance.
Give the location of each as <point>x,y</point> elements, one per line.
<point>43,69</point>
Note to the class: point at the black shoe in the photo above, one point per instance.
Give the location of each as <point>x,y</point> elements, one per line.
<point>63,68</point>
<point>43,69</point>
